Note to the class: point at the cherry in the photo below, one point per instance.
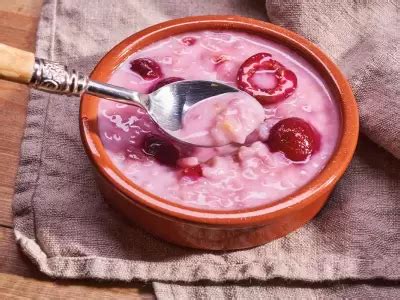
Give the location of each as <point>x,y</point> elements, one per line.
<point>296,138</point>
<point>193,172</point>
<point>162,150</point>
<point>286,79</point>
<point>189,41</point>
<point>147,68</point>
<point>163,82</point>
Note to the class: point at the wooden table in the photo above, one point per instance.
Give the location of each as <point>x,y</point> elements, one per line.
<point>19,279</point>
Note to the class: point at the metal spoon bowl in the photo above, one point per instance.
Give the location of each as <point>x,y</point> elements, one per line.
<point>168,104</point>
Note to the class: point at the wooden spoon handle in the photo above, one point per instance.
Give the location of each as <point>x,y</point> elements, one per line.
<point>16,65</point>
<point>20,66</point>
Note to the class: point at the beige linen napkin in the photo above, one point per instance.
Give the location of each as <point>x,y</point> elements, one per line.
<point>351,248</point>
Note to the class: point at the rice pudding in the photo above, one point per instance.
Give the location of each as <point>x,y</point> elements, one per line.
<point>297,134</point>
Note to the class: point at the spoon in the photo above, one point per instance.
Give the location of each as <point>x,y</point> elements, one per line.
<point>166,106</point>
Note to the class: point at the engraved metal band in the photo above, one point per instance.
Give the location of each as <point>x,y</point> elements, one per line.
<point>56,78</point>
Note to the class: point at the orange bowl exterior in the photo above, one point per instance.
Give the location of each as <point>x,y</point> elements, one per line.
<point>208,229</point>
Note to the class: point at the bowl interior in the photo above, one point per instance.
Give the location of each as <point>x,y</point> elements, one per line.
<point>321,184</point>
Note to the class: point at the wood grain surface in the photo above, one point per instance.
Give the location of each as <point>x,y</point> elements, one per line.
<point>19,278</point>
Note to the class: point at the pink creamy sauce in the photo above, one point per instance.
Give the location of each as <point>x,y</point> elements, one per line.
<point>228,177</point>
<point>221,120</point>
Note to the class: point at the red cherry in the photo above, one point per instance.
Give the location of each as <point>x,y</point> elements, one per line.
<point>163,82</point>
<point>296,138</point>
<point>193,172</point>
<point>162,150</point>
<point>189,41</point>
<point>286,79</point>
<point>147,68</point>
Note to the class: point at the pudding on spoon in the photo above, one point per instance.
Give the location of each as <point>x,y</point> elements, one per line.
<point>221,120</point>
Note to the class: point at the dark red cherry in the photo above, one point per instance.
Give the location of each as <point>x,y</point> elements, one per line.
<point>163,82</point>
<point>147,68</point>
<point>162,150</point>
<point>296,138</point>
<point>193,172</point>
<point>189,41</point>
<point>286,80</point>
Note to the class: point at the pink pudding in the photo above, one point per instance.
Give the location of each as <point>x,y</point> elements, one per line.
<point>286,140</point>
<point>221,120</point>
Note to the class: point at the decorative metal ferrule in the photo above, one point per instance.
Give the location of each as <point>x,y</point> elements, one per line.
<point>53,77</point>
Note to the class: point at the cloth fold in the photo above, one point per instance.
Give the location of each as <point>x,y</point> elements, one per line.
<point>63,225</point>
<point>363,38</point>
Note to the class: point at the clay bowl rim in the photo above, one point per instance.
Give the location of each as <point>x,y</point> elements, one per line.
<point>316,188</point>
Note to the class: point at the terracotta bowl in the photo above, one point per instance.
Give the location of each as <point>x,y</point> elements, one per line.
<point>207,229</point>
